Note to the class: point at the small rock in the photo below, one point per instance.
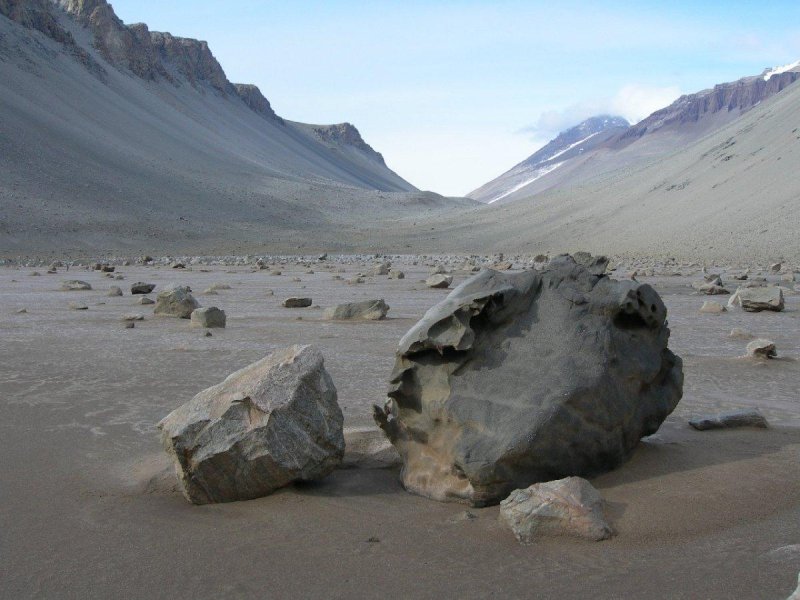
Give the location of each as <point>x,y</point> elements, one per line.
<point>275,273</point>
<point>713,308</point>
<point>269,293</point>
<point>208,317</point>
<point>133,317</point>
<point>22,311</point>
<point>741,334</point>
<point>178,265</point>
<point>355,281</point>
<point>396,275</point>
<point>78,306</point>
<point>175,302</point>
<point>502,266</point>
<point>114,291</point>
<point>208,334</point>
<point>74,285</point>
<point>775,267</point>
<point>129,325</point>
<point>141,287</point>
<point>739,418</point>
<point>373,310</point>
<point>565,507</point>
<point>762,348</point>
<point>146,300</point>
<point>439,281</point>
<point>35,274</point>
<point>295,302</point>
<point>381,269</point>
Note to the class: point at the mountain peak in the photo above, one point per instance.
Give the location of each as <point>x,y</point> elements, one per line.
<point>346,134</point>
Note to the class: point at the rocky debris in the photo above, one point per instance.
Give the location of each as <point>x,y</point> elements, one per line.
<point>381,269</point>
<point>208,317</point>
<point>372,310</point>
<point>22,311</point>
<point>208,334</point>
<point>114,291</point>
<point>762,348</point>
<point>439,281</point>
<point>255,100</point>
<point>323,256</point>
<point>74,285</point>
<point>756,299</point>
<point>395,274</point>
<point>739,418</point>
<point>566,507</point>
<point>775,267</point>
<point>276,273</point>
<point>439,270</point>
<point>368,448</point>
<point>176,302</point>
<point>503,266</point>
<point>474,419</point>
<point>178,265</point>
<point>712,289</point>
<point>35,274</point>
<point>713,308</point>
<point>145,300</point>
<point>355,281</point>
<point>272,423</point>
<point>345,134</point>
<point>78,306</point>
<point>133,317</point>
<point>141,287</point>
<point>295,302</point>
<point>741,334</point>
<point>129,325</point>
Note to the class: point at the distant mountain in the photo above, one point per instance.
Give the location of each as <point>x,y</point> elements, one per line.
<point>115,136</point>
<point>664,132</point>
<point>567,145</point>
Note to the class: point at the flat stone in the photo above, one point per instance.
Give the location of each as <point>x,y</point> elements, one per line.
<point>78,306</point>
<point>739,418</point>
<point>756,299</point>
<point>75,285</point>
<point>295,302</point>
<point>439,281</point>
<point>371,310</point>
<point>141,287</point>
<point>133,317</point>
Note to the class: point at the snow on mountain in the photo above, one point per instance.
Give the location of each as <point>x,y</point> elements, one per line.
<point>783,69</point>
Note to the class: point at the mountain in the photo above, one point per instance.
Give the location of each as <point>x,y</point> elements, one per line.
<point>569,144</point>
<point>665,131</point>
<point>115,137</point>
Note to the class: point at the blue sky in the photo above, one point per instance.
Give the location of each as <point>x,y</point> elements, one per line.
<point>455,92</point>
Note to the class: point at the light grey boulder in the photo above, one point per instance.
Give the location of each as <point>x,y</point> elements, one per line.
<point>439,281</point>
<point>140,287</point>
<point>78,306</point>
<point>370,310</point>
<point>175,302</point>
<point>395,274</point>
<point>712,308</point>
<point>294,302</point>
<point>756,299</point>
<point>381,269</point>
<point>75,285</point>
<point>368,448</point>
<point>114,291</point>
<point>145,300</point>
<point>133,317</point>
<point>272,423</point>
<point>517,378</point>
<point>762,348</point>
<point>729,420</point>
<point>208,317</point>
<point>568,507</point>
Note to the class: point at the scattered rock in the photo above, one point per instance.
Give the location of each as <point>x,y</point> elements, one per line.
<point>146,300</point>
<point>741,334</point>
<point>372,310</point>
<point>274,422</point>
<point>269,293</point>
<point>133,317</point>
<point>502,266</point>
<point>35,274</point>
<point>208,334</point>
<point>712,289</point>
<point>22,311</point>
<point>566,507</point>
<point>368,448</point>
<point>74,285</point>
<point>78,306</point>
<point>603,379</point>
<point>789,277</point>
<point>275,273</point>
<point>295,302</point>
<point>129,325</point>
<point>208,317</point>
<point>775,267</point>
<point>396,275</point>
<point>713,308</point>
<point>439,281</point>
<point>762,348</point>
<point>355,281</point>
<point>178,265</point>
<point>114,291</point>
<point>756,299</point>
<point>141,287</point>
<point>739,418</point>
<point>381,269</point>
<point>176,302</point>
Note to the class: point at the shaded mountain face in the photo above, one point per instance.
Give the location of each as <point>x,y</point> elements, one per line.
<point>113,136</point>
<point>664,132</point>
<point>569,144</point>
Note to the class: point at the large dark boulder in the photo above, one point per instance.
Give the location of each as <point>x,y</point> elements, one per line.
<point>520,378</point>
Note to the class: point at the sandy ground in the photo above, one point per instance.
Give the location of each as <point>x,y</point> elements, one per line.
<point>88,510</point>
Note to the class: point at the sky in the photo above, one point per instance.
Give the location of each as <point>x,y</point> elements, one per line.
<point>454,93</point>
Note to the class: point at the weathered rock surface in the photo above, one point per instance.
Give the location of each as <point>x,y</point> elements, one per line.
<point>146,300</point>
<point>141,287</point>
<point>294,302</point>
<point>439,281</point>
<point>762,348</point>
<point>756,299</point>
<point>114,291</point>
<point>75,285</point>
<point>175,302</point>
<point>372,310</point>
<point>208,317</point>
<point>712,308</point>
<point>274,422</point>
<point>368,448</point>
<point>739,418</point>
<point>566,507</point>
<point>519,378</point>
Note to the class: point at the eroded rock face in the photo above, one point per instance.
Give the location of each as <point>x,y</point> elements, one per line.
<point>273,422</point>
<point>519,378</point>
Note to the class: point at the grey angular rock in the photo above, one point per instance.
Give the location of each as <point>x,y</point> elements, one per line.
<point>713,308</point>
<point>133,317</point>
<point>208,317</point>
<point>381,269</point>
<point>739,418</point>
<point>175,302</point>
<point>439,281</point>
<point>371,310</point>
<point>78,306</point>
<point>75,285</point>
<point>567,507</point>
<point>114,291</point>
<point>146,300</point>
<point>294,302</point>
<point>756,299</point>
<point>526,377</point>
<point>272,423</point>
<point>762,348</point>
<point>395,274</point>
<point>141,287</point>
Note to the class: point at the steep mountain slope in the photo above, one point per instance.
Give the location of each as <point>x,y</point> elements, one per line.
<point>115,137</point>
<point>684,121</point>
<point>563,149</point>
<point>733,195</point>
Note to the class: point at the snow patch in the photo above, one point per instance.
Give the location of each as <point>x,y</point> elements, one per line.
<point>571,146</point>
<point>779,70</point>
<point>539,173</point>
